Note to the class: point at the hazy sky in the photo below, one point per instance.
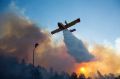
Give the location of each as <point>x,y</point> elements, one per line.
<point>100,19</point>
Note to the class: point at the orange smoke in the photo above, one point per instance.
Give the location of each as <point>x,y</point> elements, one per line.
<point>107,61</point>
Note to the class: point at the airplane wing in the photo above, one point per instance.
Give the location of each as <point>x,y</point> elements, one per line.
<point>62,27</point>
<point>72,23</point>
<point>55,31</point>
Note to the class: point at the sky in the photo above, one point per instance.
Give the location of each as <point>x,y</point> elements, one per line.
<point>100,19</point>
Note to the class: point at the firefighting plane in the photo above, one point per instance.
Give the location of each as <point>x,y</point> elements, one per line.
<point>67,25</point>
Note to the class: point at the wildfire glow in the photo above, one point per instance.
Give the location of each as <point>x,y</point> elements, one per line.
<point>82,70</point>
<point>90,68</point>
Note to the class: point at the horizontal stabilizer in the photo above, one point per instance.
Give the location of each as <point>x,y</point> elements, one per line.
<point>72,30</point>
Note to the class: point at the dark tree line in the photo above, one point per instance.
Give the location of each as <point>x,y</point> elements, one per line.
<point>10,68</point>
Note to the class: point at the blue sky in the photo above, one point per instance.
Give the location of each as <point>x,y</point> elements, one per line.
<point>100,19</point>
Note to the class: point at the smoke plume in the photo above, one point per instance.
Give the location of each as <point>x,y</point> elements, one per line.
<point>107,61</point>
<point>18,36</point>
